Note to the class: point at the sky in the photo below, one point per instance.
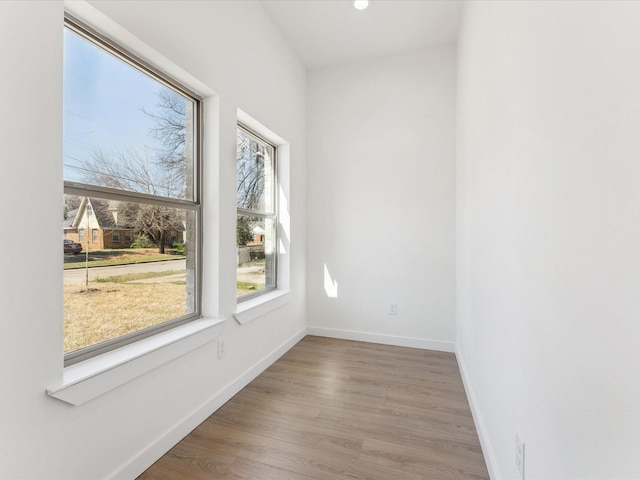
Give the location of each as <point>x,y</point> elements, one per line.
<point>103,102</point>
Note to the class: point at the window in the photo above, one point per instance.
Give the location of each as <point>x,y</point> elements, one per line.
<point>131,163</point>
<point>256,225</point>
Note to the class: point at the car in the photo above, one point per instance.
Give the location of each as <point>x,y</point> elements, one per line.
<point>72,247</point>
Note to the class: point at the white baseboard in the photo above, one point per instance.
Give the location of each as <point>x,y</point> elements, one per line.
<point>149,455</point>
<point>483,436</point>
<point>422,343</point>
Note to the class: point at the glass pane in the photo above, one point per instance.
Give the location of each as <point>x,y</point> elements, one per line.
<point>255,176</point>
<point>256,240</point>
<point>122,128</point>
<point>112,288</point>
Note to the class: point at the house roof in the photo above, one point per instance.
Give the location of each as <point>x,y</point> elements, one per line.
<point>103,210</point>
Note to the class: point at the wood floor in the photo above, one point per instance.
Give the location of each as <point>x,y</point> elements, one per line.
<point>335,409</point>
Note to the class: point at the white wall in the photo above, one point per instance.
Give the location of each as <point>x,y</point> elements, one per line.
<point>548,269</point>
<point>231,48</point>
<point>381,199</point>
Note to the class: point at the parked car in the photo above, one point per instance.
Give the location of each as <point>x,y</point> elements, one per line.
<point>72,247</point>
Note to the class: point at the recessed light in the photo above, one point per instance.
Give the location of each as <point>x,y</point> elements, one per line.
<point>360,4</point>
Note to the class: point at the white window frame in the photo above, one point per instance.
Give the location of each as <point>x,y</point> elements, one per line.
<point>260,305</point>
<point>273,216</point>
<point>84,381</point>
<point>194,205</point>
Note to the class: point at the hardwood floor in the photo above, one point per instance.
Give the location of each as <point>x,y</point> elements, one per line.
<point>335,409</point>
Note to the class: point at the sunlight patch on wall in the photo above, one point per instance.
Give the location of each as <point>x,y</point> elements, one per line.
<point>330,285</point>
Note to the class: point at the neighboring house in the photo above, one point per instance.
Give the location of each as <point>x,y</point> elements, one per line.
<point>102,228</point>
<point>258,235</point>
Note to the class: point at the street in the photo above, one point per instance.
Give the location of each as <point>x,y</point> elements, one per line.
<point>77,276</point>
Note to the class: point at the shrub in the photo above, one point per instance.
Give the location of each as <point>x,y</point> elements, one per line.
<point>142,241</point>
<point>179,247</point>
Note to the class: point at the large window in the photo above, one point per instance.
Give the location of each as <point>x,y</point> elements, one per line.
<point>131,163</point>
<point>256,225</point>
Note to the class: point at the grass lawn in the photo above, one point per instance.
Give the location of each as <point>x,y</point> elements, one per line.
<point>243,288</point>
<point>117,305</point>
<point>112,309</point>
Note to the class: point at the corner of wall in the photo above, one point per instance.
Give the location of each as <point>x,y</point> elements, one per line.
<point>478,420</point>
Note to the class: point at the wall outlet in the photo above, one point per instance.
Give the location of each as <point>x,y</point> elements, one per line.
<point>393,308</point>
<point>520,456</point>
<point>221,346</point>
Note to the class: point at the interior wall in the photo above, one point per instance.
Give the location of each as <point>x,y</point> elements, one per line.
<point>381,200</point>
<point>235,51</point>
<point>548,270</point>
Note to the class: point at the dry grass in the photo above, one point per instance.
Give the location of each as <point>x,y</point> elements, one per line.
<point>122,304</point>
<point>110,310</point>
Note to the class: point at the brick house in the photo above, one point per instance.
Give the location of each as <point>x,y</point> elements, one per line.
<point>102,228</point>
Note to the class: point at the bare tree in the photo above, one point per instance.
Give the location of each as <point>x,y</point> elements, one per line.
<point>153,220</point>
<point>250,173</point>
<point>172,117</point>
<point>139,173</point>
<point>134,172</point>
<point>162,171</point>
<point>71,203</point>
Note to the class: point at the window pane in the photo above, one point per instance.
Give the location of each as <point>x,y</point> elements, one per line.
<point>107,291</point>
<point>124,129</point>
<point>256,254</point>
<point>255,173</point>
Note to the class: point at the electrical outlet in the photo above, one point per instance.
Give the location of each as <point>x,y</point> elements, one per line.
<point>393,308</point>
<point>520,456</point>
<point>221,345</point>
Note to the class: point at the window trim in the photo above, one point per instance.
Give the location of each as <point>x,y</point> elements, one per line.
<point>194,205</point>
<point>263,214</point>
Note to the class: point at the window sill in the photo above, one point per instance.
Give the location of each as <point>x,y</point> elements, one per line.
<point>87,380</point>
<point>249,310</point>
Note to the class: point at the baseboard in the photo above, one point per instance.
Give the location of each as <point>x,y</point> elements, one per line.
<point>422,343</point>
<point>483,436</point>
<point>149,455</point>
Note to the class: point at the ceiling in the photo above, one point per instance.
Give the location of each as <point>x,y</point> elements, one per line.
<point>330,32</point>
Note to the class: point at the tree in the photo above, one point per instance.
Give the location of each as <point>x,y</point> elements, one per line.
<point>171,117</point>
<point>71,203</point>
<point>163,171</point>
<point>250,173</point>
<point>153,220</point>
<point>135,172</point>
<point>244,234</point>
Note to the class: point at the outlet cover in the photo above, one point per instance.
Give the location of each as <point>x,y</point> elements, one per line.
<point>393,308</point>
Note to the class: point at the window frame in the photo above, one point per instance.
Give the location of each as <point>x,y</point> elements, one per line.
<point>263,214</point>
<point>194,205</point>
